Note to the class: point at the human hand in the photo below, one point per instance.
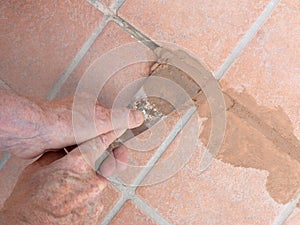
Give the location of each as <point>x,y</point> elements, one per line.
<point>54,129</point>
<point>55,190</point>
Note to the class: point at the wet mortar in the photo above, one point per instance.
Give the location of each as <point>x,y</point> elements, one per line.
<point>256,136</point>
<point>261,138</point>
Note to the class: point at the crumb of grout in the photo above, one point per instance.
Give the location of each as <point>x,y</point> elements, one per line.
<point>148,109</point>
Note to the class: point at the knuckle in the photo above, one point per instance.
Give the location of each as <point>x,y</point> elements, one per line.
<point>102,113</point>
<point>104,140</point>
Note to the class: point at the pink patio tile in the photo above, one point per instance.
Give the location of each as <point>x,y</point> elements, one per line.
<point>110,196</point>
<point>39,40</point>
<point>210,29</point>
<point>111,38</point>
<point>269,66</point>
<point>221,195</point>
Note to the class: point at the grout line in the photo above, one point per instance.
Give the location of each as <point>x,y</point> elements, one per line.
<point>163,147</point>
<point>117,5</point>
<point>112,13</point>
<point>148,210</point>
<point>78,57</point>
<point>219,74</point>
<point>287,211</point>
<point>246,38</point>
<point>5,85</point>
<point>4,159</point>
<point>101,7</point>
<point>118,184</point>
<point>113,212</point>
<point>135,32</point>
<point>128,193</point>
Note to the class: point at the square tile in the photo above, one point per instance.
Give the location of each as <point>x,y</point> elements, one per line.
<point>221,195</point>
<point>268,69</point>
<point>112,38</point>
<point>39,40</point>
<point>209,29</point>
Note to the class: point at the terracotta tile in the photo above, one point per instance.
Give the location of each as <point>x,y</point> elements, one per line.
<point>294,218</point>
<point>9,175</point>
<point>111,38</point>
<point>221,195</point>
<point>39,40</point>
<point>131,215</point>
<point>224,193</point>
<point>209,29</point>
<point>110,196</point>
<point>269,67</point>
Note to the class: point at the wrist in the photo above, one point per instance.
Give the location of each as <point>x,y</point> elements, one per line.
<point>57,129</point>
<point>22,121</point>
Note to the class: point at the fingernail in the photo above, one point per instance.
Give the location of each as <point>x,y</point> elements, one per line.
<point>138,116</point>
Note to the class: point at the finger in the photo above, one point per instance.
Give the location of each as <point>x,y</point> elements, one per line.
<point>121,157</point>
<point>117,119</point>
<point>108,166</point>
<point>115,162</point>
<point>109,137</point>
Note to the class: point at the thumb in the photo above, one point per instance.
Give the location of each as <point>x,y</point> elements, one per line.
<point>117,119</point>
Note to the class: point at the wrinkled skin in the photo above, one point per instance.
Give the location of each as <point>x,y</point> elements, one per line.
<point>28,128</point>
<point>66,191</point>
<point>57,189</point>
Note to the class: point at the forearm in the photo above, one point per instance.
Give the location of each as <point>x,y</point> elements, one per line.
<point>23,123</point>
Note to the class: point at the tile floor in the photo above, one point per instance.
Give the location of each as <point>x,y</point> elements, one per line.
<point>253,45</point>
